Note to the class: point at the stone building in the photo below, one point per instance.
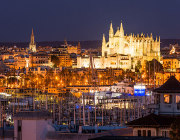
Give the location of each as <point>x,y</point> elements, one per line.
<point>164,111</point>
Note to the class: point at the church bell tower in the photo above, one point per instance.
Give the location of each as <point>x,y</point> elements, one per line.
<point>32,44</point>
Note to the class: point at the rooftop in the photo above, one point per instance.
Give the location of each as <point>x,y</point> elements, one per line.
<point>153,120</point>
<point>32,115</point>
<point>129,138</point>
<point>172,85</point>
<point>56,135</point>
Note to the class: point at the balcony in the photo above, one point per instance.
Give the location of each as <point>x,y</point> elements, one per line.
<point>168,106</point>
<point>154,106</point>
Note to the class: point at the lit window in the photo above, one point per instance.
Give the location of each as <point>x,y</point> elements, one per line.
<point>167,98</point>
<point>177,98</point>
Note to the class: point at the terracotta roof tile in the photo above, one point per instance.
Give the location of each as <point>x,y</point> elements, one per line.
<point>153,120</point>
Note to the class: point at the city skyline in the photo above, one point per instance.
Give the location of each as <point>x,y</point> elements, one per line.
<point>85,20</point>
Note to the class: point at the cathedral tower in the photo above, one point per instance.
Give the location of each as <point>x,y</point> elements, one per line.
<point>121,40</point>
<point>103,45</point>
<point>32,44</point>
<point>111,31</point>
<point>79,48</point>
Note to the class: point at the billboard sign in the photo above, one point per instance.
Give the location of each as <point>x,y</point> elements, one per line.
<point>139,90</point>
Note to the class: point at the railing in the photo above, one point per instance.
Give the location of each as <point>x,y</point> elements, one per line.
<point>155,106</point>
<point>167,106</point>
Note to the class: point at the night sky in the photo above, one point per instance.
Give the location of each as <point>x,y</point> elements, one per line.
<point>79,20</point>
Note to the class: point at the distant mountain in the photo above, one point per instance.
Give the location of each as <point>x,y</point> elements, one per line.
<point>167,42</point>
<point>84,44</point>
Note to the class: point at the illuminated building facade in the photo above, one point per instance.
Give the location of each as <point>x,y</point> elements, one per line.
<point>122,50</point>
<point>65,60</point>
<point>36,60</point>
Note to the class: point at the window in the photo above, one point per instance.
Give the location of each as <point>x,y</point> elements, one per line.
<point>167,98</point>
<point>19,128</point>
<point>177,98</point>
<point>149,133</point>
<point>144,133</point>
<point>164,133</point>
<point>139,133</point>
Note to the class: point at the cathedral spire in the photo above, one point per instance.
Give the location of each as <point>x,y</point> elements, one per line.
<point>151,35</point>
<point>121,30</point>
<point>111,31</point>
<point>111,28</point>
<point>79,44</point>
<point>121,27</point>
<point>79,48</point>
<point>65,42</point>
<point>147,36</point>
<point>32,37</point>
<point>32,44</point>
<point>32,32</point>
<point>104,40</point>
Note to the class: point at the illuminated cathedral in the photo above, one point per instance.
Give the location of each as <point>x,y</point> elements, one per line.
<point>123,51</point>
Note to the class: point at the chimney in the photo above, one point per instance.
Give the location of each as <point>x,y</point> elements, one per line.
<point>80,130</point>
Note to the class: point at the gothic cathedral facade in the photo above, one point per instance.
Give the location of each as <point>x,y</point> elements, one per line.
<point>124,51</point>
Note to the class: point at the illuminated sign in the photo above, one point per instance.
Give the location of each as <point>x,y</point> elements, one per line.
<point>139,90</point>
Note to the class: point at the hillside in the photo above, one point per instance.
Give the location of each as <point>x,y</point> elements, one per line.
<point>84,44</point>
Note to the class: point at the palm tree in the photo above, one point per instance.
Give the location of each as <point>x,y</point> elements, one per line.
<point>49,78</point>
<point>175,130</point>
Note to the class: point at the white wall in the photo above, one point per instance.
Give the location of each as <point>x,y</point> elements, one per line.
<point>29,129</point>
<point>170,108</point>
<point>15,128</point>
<point>33,129</point>
<point>41,128</point>
<point>135,131</point>
<point>153,131</point>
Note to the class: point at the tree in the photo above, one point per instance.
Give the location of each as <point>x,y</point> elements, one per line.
<point>175,130</point>
<point>55,60</point>
<point>138,67</point>
<point>167,66</point>
<point>48,78</point>
<point>129,74</point>
<point>150,66</point>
